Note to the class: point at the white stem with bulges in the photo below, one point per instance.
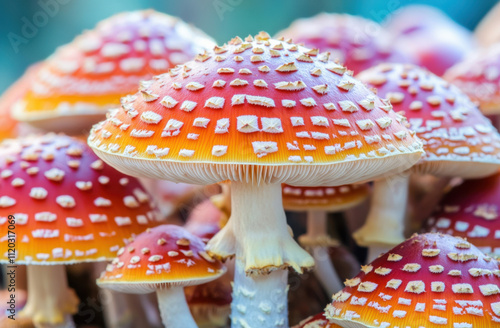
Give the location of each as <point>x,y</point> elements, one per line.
<point>50,302</point>
<point>385,223</point>
<point>257,233</point>
<point>259,301</point>
<point>174,309</point>
<point>323,270</point>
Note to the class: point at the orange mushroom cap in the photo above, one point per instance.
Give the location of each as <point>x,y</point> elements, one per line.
<point>333,199</point>
<point>68,205</point>
<point>458,139</point>
<point>479,76</point>
<point>430,280</point>
<point>89,75</point>
<point>471,210</point>
<point>356,42</point>
<point>161,257</point>
<point>259,109</point>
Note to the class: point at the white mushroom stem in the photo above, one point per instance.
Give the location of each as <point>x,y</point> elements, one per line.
<point>259,301</point>
<point>318,242</point>
<point>174,309</point>
<point>385,223</point>
<point>50,302</point>
<point>258,234</point>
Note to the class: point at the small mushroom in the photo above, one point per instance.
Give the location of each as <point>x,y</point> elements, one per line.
<point>68,207</point>
<point>317,321</point>
<point>430,280</point>
<point>76,85</point>
<point>174,259</point>
<point>292,131</point>
<point>318,201</point>
<point>458,140</point>
<point>471,211</point>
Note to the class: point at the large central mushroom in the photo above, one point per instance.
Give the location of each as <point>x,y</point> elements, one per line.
<point>458,140</point>
<point>259,113</point>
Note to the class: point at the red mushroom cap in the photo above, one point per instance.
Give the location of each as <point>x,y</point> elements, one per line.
<point>471,210</point>
<point>68,205</point>
<point>479,77</point>
<point>356,42</point>
<point>458,139</point>
<point>430,280</point>
<point>433,39</point>
<point>259,109</point>
<point>161,257</point>
<point>89,75</point>
<point>334,199</point>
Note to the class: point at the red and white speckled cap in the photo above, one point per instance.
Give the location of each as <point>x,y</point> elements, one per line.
<point>430,280</point>
<point>256,110</point>
<point>479,77</point>
<point>77,84</point>
<point>68,205</point>
<point>471,210</point>
<point>458,139</point>
<point>161,257</point>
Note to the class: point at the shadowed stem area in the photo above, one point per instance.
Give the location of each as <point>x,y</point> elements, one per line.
<point>174,309</point>
<point>50,301</point>
<point>385,223</point>
<point>324,270</point>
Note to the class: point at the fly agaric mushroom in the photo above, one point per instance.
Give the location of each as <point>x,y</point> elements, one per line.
<point>430,280</point>
<point>209,303</point>
<point>163,259</point>
<point>76,85</point>
<point>356,42</point>
<point>317,201</point>
<point>427,34</point>
<point>471,210</point>
<point>478,76</point>
<point>68,207</point>
<point>458,140</point>
<point>259,113</point>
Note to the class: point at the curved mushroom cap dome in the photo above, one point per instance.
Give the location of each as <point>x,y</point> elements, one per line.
<point>159,258</point>
<point>430,280</point>
<point>256,110</point>
<point>458,139</point>
<point>77,84</point>
<point>68,206</point>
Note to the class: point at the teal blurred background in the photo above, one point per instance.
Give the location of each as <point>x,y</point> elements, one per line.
<point>222,19</point>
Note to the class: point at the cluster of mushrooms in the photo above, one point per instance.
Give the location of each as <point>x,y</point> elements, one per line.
<point>333,111</point>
